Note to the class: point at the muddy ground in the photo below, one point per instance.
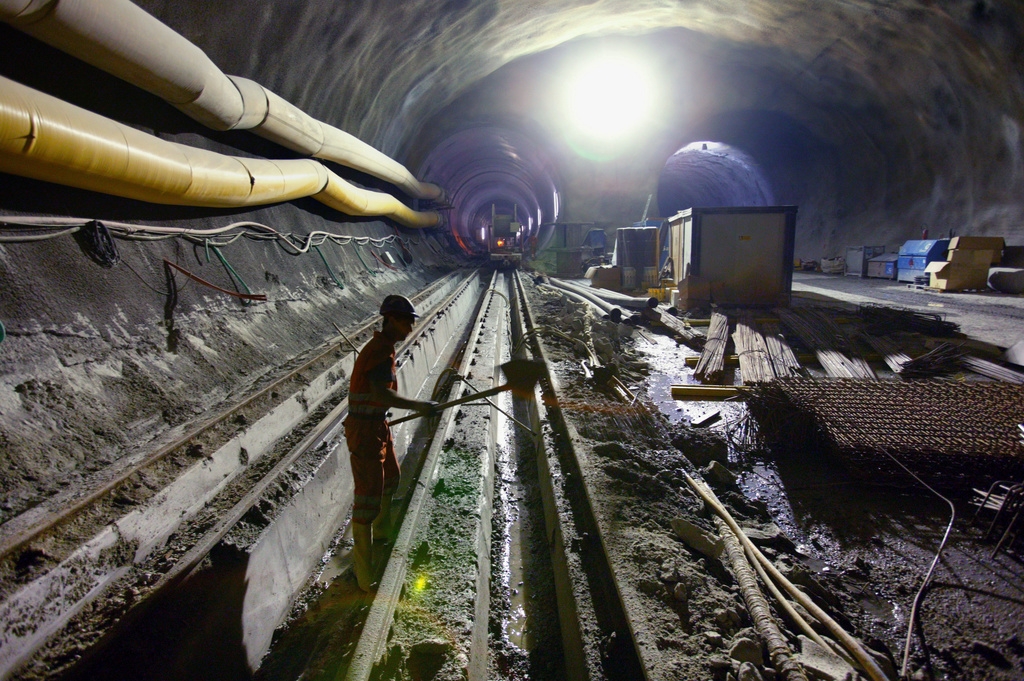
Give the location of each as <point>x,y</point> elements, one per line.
<point>859,548</point>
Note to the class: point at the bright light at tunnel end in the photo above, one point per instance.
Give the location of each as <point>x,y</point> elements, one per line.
<point>609,97</point>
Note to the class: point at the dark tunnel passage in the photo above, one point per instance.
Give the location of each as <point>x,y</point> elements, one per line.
<point>485,166</point>
<point>711,174</point>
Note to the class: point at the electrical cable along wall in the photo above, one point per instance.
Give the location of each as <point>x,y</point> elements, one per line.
<point>99,235</point>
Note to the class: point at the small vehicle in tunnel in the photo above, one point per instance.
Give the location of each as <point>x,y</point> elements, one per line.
<point>504,241</point>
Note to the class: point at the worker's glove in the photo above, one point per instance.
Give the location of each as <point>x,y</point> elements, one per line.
<point>428,408</point>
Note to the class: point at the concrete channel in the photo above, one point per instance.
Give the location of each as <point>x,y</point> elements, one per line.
<point>280,559</point>
<point>497,570</point>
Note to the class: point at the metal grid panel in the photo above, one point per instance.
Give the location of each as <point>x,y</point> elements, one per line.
<point>965,429</point>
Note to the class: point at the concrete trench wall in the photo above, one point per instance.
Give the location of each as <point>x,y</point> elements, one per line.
<point>282,560</point>
<point>96,366</point>
<point>285,554</point>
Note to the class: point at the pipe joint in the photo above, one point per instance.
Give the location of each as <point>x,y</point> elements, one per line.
<point>291,127</point>
<point>219,106</point>
<point>255,106</point>
<point>22,13</point>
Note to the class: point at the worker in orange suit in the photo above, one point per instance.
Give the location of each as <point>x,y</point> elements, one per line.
<point>372,391</point>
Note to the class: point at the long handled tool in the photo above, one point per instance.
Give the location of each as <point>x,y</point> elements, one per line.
<point>521,375</point>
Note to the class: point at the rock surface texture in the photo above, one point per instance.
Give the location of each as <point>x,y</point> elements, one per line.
<point>878,119</point>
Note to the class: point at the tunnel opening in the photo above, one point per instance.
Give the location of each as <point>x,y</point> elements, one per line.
<point>487,168</point>
<point>707,173</point>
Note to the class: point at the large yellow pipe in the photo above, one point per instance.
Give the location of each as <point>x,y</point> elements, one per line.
<point>122,39</point>
<point>48,139</point>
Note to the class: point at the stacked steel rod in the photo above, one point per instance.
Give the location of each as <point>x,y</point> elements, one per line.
<point>894,358</point>
<point>963,429</point>
<point>993,370</point>
<point>880,320</point>
<point>712,358</point>
<point>755,362</point>
<point>688,335</point>
<point>784,361</point>
<point>818,331</point>
<point>944,359</point>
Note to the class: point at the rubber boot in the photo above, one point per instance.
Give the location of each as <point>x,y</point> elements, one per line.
<point>382,523</point>
<point>362,555</point>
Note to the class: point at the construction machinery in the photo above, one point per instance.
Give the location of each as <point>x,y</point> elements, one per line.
<point>505,240</point>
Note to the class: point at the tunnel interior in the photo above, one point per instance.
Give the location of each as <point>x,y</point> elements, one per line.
<point>490,166</point>
<point>711,174</point>
<point>876,120</point>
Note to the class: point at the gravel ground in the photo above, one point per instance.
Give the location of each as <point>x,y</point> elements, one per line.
<point>996,318</point>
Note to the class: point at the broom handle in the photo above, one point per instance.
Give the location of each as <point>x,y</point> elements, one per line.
<point>454,403</point>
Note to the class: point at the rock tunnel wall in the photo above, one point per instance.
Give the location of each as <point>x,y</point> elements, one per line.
<point>875,118</point>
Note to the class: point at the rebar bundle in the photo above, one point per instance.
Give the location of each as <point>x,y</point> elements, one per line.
<point>944,359</point>
<point>881,320</point>
<point>821,334</point>
<point>992,370</point>
<point>712,358</point>
<point>784,361</point>
<point>960,428</point>
<point>688,335</point>
<point>894,357</point>
<point>755,362</point>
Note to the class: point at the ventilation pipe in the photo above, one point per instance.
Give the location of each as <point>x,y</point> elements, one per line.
<point>48,139</point>
<point>122,39</point>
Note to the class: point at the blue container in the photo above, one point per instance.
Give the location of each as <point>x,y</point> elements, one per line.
<point>916,254</point>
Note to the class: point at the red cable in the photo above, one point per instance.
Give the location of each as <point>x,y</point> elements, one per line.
<point>244,296</point>
<point>381,261</point>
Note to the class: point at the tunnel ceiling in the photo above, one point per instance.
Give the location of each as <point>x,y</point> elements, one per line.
<point>868,115</point>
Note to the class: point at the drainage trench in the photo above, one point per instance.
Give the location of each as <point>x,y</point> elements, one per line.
<point>254,515</point>
<point>495,572</point>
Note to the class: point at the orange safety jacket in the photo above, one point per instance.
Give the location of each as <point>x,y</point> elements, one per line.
<point>375,362</point>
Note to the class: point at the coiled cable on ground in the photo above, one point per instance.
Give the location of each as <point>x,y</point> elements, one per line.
<point>765,625</point>
<point>849,642</point>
